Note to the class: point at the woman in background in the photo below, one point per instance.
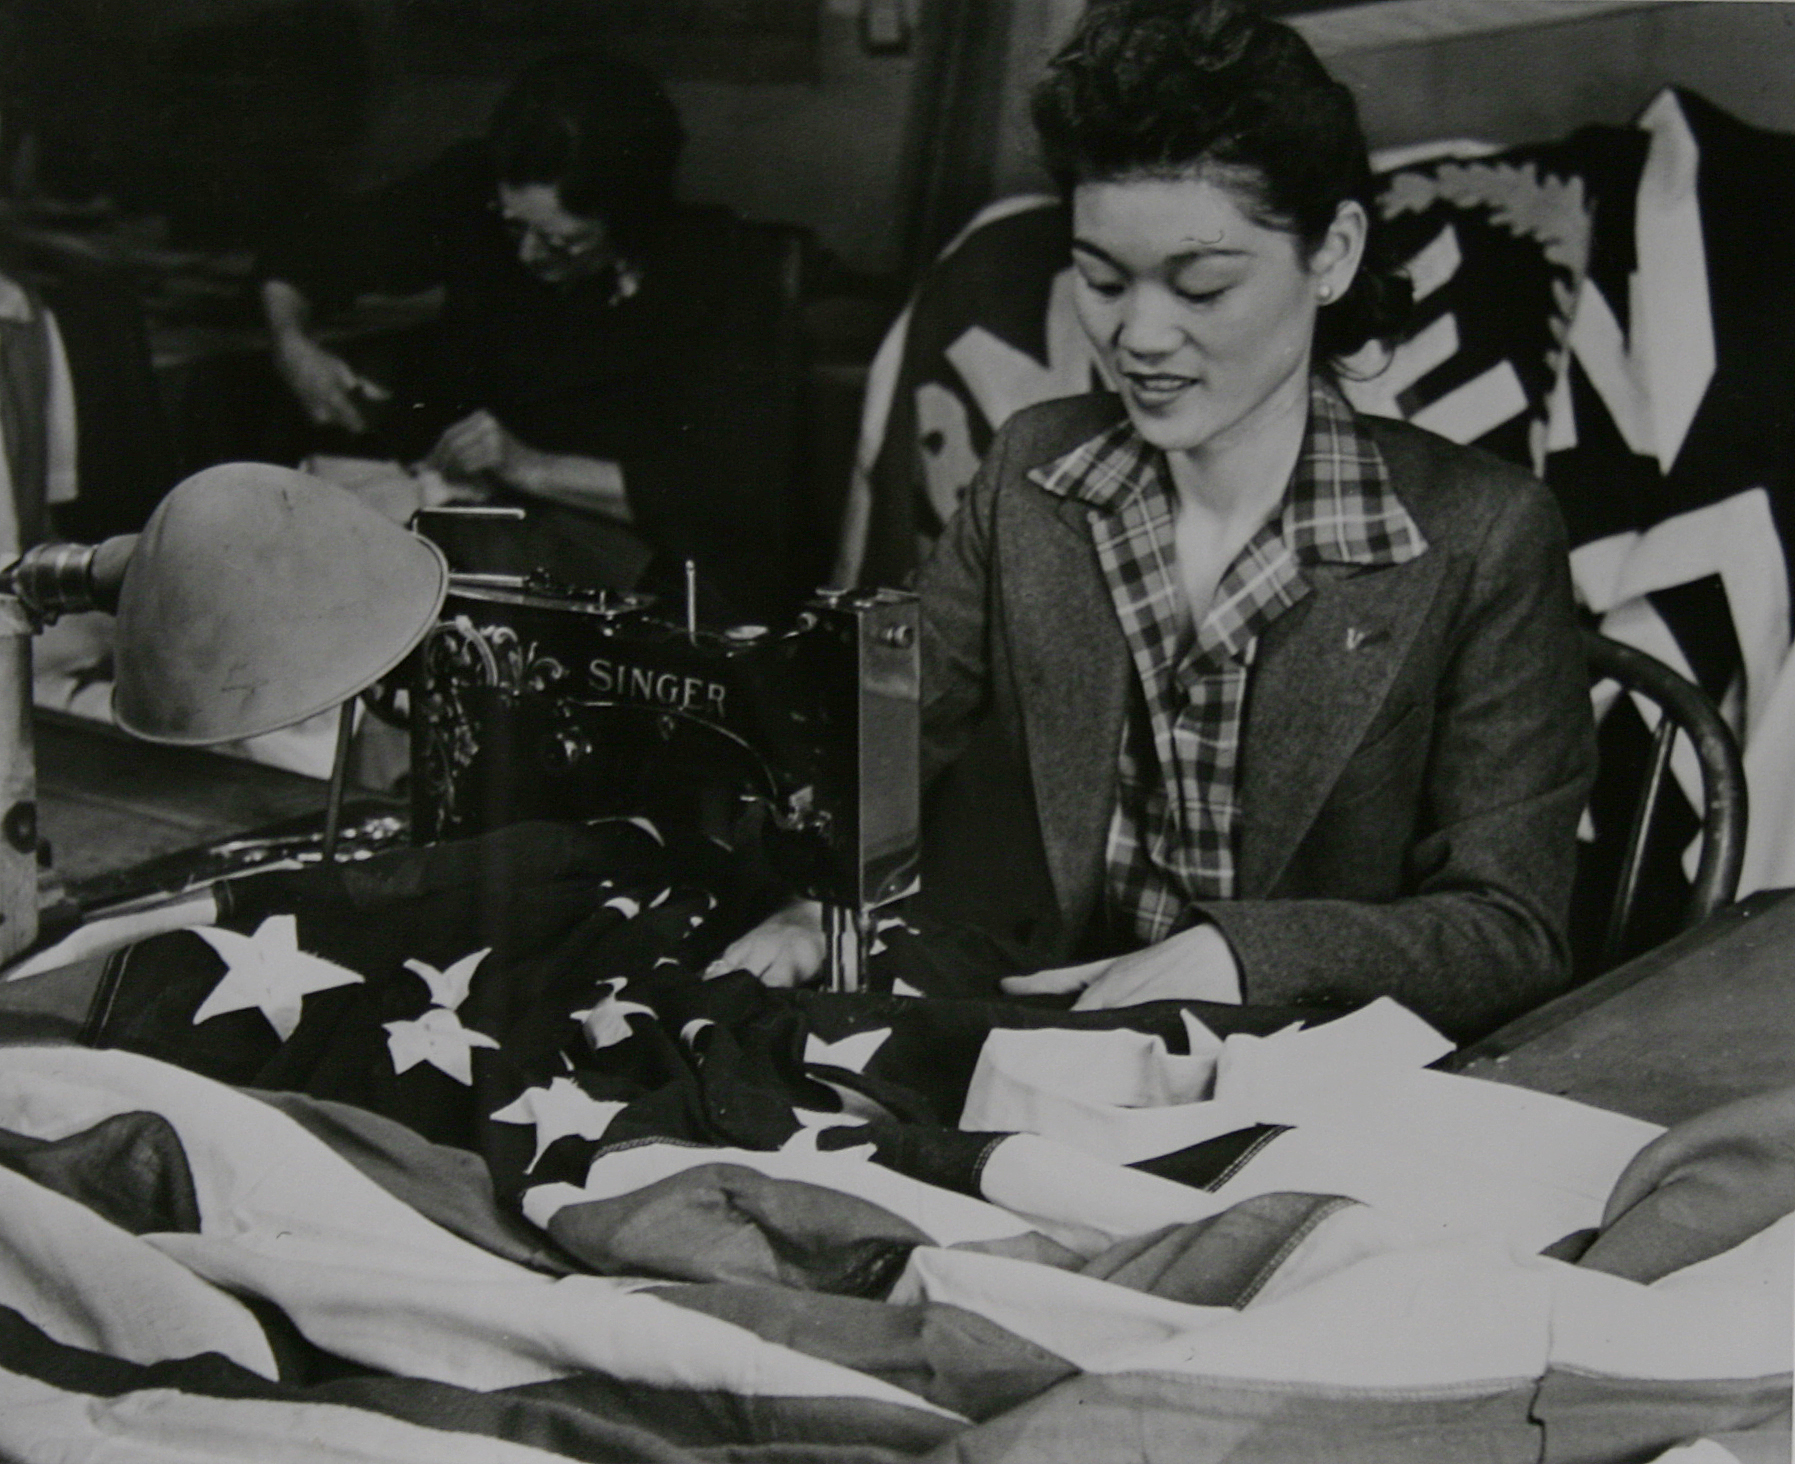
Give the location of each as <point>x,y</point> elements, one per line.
<point>601,348</point>
<point>1230,694</point>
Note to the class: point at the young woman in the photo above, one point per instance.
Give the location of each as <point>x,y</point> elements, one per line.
<point>1243,696</point>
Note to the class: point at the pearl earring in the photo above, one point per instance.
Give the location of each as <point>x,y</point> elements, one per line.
<point>1325,293</point>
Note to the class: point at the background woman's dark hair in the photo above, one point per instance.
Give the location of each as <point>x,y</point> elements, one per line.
<point>600,129</point>
<point>1152,87</point>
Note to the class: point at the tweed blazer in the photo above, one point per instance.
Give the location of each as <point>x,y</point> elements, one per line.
<point>1417,746</point>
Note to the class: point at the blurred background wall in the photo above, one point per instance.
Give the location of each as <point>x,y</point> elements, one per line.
<point>879,124</point>
<point>229,115</point>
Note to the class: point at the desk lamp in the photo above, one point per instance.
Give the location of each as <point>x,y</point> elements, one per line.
<point>254,598</point>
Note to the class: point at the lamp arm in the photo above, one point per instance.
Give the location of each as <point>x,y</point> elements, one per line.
<point>52,580</point>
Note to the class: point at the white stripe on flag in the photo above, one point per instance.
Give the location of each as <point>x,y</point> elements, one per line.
<point>1481,405</point>
<point>1673,331</point>
<point>1432,346</point>
<point>1602,351</point>
<point>1413,359</point>
<point>1435,263</point>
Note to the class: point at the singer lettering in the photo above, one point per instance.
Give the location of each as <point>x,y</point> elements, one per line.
<point>657,688</point>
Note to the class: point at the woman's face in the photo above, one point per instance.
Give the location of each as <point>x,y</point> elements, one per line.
<point>556,246</point>
<point>1202,317</point>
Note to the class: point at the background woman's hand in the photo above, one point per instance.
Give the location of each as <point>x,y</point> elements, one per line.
<point>480,448</point>
<point>785,949</point>
<point>476,446</point>
<point>1194,965</point>
<point>328,387</point>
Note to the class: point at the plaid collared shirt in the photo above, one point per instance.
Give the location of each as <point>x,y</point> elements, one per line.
<point>1173,834</point>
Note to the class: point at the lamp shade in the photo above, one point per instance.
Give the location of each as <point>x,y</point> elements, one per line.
<point>256,597</point>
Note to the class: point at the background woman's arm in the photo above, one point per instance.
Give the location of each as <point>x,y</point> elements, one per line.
<point>328,388</point>
<point>479,445</point>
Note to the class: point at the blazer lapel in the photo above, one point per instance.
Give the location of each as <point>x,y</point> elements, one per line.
<point>1323,670</point>
<point>1072,677</point>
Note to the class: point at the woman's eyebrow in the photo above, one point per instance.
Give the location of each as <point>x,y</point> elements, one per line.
<point>1197,254</point>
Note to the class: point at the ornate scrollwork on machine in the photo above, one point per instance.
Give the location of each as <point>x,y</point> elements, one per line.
<point>460,665</point>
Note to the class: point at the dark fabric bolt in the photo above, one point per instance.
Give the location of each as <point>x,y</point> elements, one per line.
<point>726,1222</point>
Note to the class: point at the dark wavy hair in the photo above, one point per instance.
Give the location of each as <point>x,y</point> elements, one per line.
<point>1150,88</point>
<point>598,128</point>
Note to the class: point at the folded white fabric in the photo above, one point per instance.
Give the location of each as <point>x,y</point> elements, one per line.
<point>1384,1036</point>
<point>1402,1320</point>
<point>1093,1322</point>
<point>1365,1118</point>
<point>1083,1202</point>
<point>1080,1318</point>
<point>1448,1155</point>
<point>1124,1096</point>
<point>1729,1316</point>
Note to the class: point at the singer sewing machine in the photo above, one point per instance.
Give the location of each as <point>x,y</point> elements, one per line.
<point>534,699</point>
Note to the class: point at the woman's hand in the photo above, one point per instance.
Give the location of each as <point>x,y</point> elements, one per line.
<point>785,949</point>
<point>1194,965</point>
<point>479,445</point>
<point>327,386</point>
